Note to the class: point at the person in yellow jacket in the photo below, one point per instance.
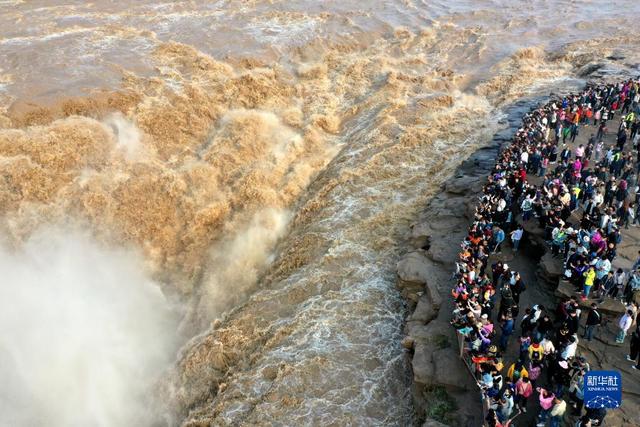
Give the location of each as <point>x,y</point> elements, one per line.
<point>589,278</point>
<point>629,119</point>
<point>517,371</point>
<point>536,352</point>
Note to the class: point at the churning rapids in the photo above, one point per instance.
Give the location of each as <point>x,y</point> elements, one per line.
<point>202,203</point>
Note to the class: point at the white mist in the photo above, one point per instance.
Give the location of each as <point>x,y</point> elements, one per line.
<point>84,333</point>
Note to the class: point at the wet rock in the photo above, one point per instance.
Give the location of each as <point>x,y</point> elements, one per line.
<point>623,263</point>
<point>270,372</point>
<point>433,423</point>
<point>616,56</point>
<point>628,249</point>
<point>436,360</point>
<point>422,366</point>
<point>470,209</point>
<point>408,343</point>
<point>505,255</point>
<point>607,306</point>
<point>434,294</point>
<point>449,371</point>
<point>440,250</point>
<point>482,161</point>
<point>589,69</point>
<point>463,185</point>
<point>425,311</point>
<point>420,235</point>
<point>456,204</point>
<point>412,269</point>
<point>550,268</point>
<point>412,296</point>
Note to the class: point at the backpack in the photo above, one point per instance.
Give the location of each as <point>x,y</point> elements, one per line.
<point>534,372</point>
<point>516,375</point>
<point>536,354</point>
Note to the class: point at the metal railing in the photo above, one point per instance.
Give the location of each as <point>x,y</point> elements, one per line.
<point>468,363</point>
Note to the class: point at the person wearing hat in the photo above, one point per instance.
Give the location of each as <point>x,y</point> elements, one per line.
<point>558,374</point>
<point>517,286</point>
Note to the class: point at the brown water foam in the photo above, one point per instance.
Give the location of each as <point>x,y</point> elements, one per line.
<point>213,181</point>
<point>273,365</point>
<point>267,365</point>
<point>229,145</point>
<point>204,167</point>
<point>222,146</point>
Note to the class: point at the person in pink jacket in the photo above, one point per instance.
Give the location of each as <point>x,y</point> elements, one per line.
<point>524,389</point>
<point>546,403</point>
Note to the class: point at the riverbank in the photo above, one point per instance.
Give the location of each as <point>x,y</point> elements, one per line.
<point>425,280</point>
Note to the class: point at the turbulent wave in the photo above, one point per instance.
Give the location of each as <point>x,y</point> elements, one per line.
<point>266,159</point>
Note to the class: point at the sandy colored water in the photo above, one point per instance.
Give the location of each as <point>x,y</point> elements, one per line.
<point>266,158</point>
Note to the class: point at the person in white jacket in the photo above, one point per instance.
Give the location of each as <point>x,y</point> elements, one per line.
<point>624,324</point>
<point>570,349</point>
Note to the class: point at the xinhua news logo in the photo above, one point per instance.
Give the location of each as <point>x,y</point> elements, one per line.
<point>602,389</point>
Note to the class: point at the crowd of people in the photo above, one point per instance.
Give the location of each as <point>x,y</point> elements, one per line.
<point>584,197</point>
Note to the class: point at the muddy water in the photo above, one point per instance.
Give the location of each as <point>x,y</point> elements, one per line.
<point>266,159</point>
